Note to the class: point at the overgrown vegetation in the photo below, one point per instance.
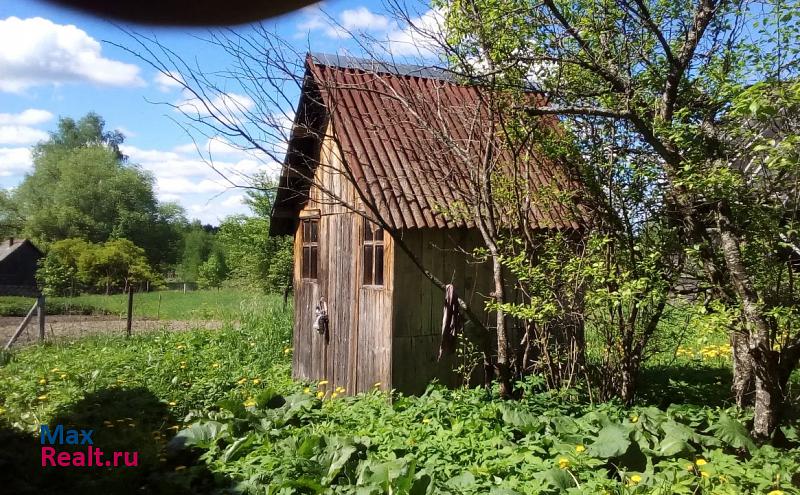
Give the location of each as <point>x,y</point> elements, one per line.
<point>243,426</point>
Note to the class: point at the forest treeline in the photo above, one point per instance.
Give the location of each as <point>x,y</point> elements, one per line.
<point>96,216</point>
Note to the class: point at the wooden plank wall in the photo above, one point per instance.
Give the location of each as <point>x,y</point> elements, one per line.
<point>418,304</point>
<point>356,353</point>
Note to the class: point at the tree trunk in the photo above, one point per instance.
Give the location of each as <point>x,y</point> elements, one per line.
<point>743,386</point>
<point>764,360</point>
<point>503,350</point>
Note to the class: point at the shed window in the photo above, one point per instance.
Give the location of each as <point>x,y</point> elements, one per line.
<point>310,253</point>
<point>373,254</point>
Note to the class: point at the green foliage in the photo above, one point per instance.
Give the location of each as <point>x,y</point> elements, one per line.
<point>82,187</point>
<point>213,272</point>
<point>198,243</point>
<point>73,265</point>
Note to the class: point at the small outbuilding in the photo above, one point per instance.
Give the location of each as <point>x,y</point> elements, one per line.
<point>368,194</point>
<point>18,264</point>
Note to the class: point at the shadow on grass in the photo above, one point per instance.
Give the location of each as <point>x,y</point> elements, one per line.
<point>700,385</point>
<point>131,420</point>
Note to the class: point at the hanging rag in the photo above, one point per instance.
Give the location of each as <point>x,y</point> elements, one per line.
<point>321,319</point>
<point>452,324</point>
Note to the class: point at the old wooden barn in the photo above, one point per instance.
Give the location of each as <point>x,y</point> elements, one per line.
<point>19,260</point>
<point>357,160</point>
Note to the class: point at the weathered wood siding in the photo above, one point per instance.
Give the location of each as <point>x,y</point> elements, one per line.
<point>418,304</point>
<point>356,352</point>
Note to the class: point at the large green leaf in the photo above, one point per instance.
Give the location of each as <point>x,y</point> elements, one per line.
<point>612,441</point>
<point>732,432</point>
<point>201,435</point>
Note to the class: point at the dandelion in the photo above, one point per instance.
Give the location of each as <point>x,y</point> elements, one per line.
<point>634,418</point>
<point>579,448</point>
<point>54,370</point>
<point>256,381</point>
<point>42,397</point>
<point>215,365</point>
<point>563,463</point>
<point>173,403</point>
<point>306,390</point>
<point>776,492</point>
<point>690,467</point>
<point>63,376</point>
<point>249,402</point>
<point>333,395</point>
<point>242,381</point>
<point>701,462</point>
<point>179,347</point>
<point>704,474</point>
<point>287,350</point>
<point>320,394</point>
<point>634,480</point>
<point>377,384</point>
<point>42,381</point>
<point>426,420</point>
<point>2,410</point>
<point>323,382</point>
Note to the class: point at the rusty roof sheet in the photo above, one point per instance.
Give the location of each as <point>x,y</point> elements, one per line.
<point>410,139</point>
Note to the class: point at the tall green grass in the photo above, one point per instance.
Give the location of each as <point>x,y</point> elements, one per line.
<point>166,305</point>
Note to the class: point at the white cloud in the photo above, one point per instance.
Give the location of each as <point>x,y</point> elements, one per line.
<point>168,82</point>
<point>421,38</point>
<point>31,116</point>
<point>225,105</point>
<point>37,51</point>
<point>233,201</point>
<point>182,185</point>
<point>15,161</point>
<point>348,21</point>
<point>20,134</point>
<point>362,18</point>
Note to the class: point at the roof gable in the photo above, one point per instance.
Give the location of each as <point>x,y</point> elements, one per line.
<point>407,137</point>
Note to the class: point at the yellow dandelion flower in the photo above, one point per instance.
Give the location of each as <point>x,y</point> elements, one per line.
<point>249,402</point>
<point>580,448</point>
<point>636,479</point>
<point>242,381</point>
<point>426,420</point>
<point>287,350</point>
<point>2,410</point>
<point>42,381</point>
<point>320,394</point>
<point>63,376</point>
<point>690,467</point>
<point>634,418</point>
<point>54,370</point>
<point>215,365</point>
<point>333,395</point>
<point>701,462</point>
<point>704,474</point>
<point>377,384</point>
<point>776,492</point>
<point>42,397</point>
<point>173,403</point>
<point>563,463</point>
<point>306,390</point>
<point>179,347</point>
<point>323,382</point>
<point>256,381</point>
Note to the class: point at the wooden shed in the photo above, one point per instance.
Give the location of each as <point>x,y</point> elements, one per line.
<point>361,179</point>
<point>18,264</point>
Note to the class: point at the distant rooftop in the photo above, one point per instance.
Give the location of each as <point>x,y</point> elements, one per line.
<point>378,66</point>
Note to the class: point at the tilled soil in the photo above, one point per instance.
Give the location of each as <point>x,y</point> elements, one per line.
<point>70,327</point>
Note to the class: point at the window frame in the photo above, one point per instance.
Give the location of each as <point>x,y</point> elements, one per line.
<point>309,249</point>
<point>373,246</point>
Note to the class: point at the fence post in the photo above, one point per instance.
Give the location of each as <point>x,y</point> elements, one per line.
<point>40,312</point>
<point>130,311</point>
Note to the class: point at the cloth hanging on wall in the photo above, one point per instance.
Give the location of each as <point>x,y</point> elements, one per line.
<point>321,320</point>
<point>452,323</point>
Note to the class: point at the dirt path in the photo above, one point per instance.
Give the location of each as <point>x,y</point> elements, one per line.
<point>74,326</point>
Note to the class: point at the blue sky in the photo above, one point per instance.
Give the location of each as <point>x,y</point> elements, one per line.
<point>55,62</point>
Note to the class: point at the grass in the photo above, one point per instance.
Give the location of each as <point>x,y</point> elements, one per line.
<point>166,305</point>
<point>135,393</point>
<point>243,426</point>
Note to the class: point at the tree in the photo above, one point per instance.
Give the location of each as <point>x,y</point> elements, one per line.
<point>81,186</point>
<point>213,271</point>
<point>58,271</point>
<point>699,88</point>
<point>198,243</point>
<point>117,264</point>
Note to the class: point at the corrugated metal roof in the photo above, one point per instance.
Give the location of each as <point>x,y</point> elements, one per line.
<point>409,138</point>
